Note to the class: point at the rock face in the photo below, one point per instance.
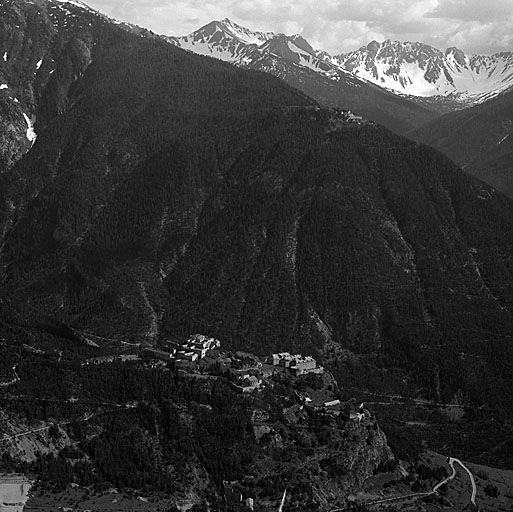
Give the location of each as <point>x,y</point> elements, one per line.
<point>326,465</point>
<point>26,448</point>
<point>45,46</point>
<point>367,452</point>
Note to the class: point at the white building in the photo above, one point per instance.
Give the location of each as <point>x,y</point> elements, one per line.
<point>202,342</point>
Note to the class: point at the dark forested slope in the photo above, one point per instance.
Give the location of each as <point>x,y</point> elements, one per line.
<point>120,170</point>
<point>175,193</point>
<point>353,238</point>
<point>478,139</point>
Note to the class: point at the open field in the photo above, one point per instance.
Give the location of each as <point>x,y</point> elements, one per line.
<point>14,492</point>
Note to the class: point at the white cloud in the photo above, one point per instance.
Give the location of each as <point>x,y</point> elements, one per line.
<point>473,10</point>
<point>337,25</point>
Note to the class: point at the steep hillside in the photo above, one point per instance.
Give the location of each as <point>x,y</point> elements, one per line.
<point>478,139</point>
<point>292,59</point>
<point>351,238</point>
<point>45,47</point>
<point>174,193</point>
<point>138,100</point>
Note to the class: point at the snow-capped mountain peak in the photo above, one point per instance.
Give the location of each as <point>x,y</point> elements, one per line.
<point>405,68</point>
<point>228,41</point>
<point>223,40</point>
<point>418,69</point>
<point>75,3</point>
<point>244,34</point>
<point>231,42</point>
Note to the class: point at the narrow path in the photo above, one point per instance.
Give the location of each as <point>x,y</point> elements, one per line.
<point>125,405</point>
<point>84,418</point>
<point>404,400</point>
<point>398,498</point>
<point>282,500</point>
<point>14,380</point>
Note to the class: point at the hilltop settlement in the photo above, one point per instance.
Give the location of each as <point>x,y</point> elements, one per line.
<point>202,357</point>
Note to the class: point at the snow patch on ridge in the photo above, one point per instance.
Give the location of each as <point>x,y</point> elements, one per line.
<point>246,35</point>
<point>31,133</point>
<point>204,48</point>
<point>74,2</point>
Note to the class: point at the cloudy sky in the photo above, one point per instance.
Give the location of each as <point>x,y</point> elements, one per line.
<point>475,26</point>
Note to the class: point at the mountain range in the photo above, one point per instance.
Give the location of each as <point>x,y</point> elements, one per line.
<point>417,69</point>
<point>292,59</point>
<point>417,83</point>
<point>408,69</point>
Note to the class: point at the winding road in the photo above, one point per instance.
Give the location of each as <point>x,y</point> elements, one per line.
<point>84,418</point>
<point>15,379</point>
<point>451,462</point>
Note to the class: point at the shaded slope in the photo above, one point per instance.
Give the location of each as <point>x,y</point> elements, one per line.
<point>478,139</point>
<point>233,205</point>
<point>356,237</point>
<point>45,46</point>
<point>347,92</point>
<point>496,166</point>
<point>88,193</point>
